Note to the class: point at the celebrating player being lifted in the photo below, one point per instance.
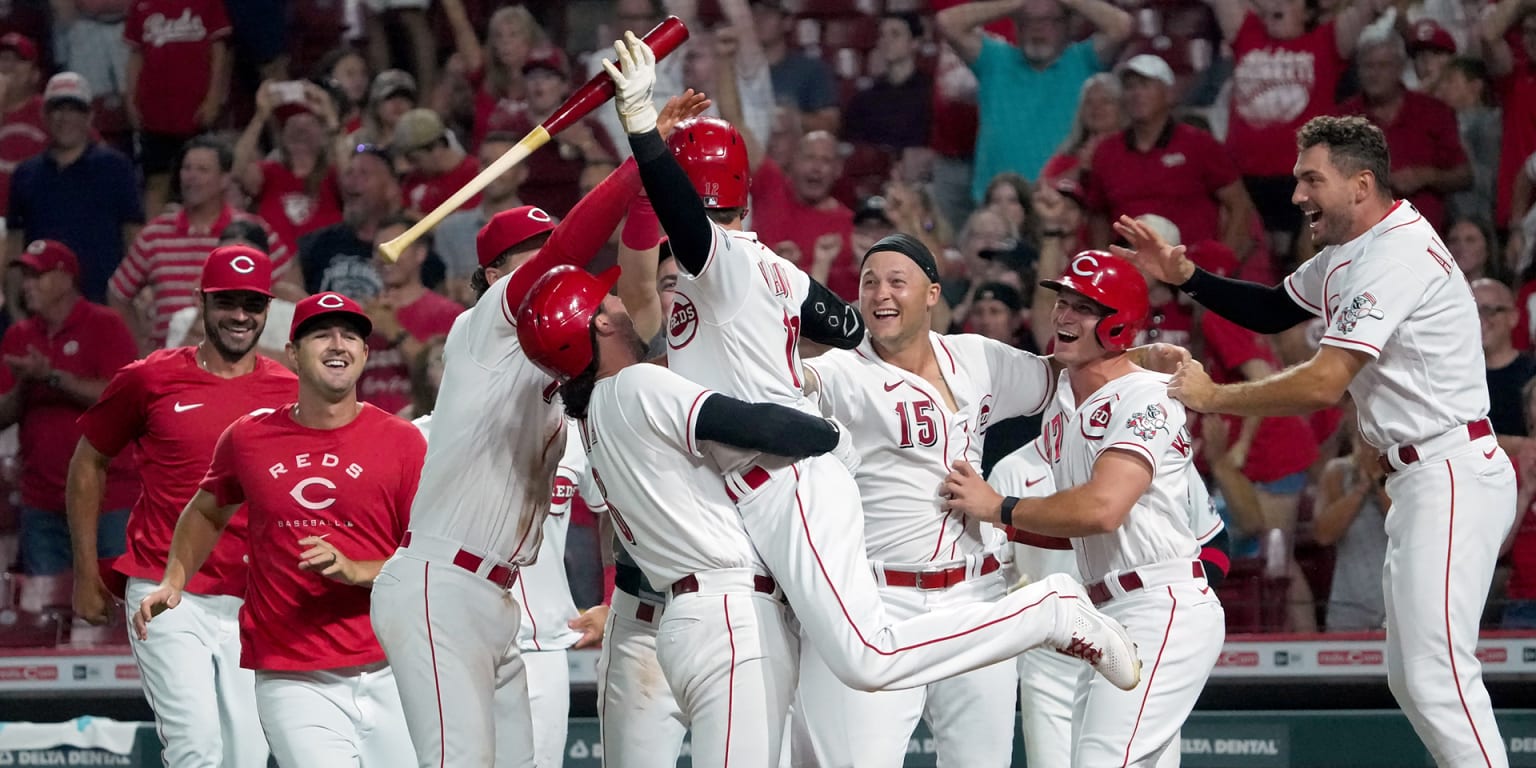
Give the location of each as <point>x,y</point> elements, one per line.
<point>1120,453</point>
<point>1399,318</point>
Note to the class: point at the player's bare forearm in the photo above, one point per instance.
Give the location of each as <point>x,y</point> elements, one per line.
<point>1312,386</point>
<point>84,489</point>
<point>197,531</point>
<point>637,288</point>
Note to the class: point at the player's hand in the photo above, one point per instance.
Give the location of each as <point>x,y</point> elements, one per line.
<point>689,103</point>
<point>93,601</point>
<point>164,598</point>
<point>1151,253</point>
<point>844,450</point>
<point>967,493</point>
<point>324,558</point>
<point>1192,386</point>
<point>634,79</point>
<point>591,624</point>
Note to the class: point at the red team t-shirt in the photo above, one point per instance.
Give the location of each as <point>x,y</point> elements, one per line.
<point>355,485</point>
<point>778,215</point>
<point>22,135</point>
<point>1283,445</point>
<point>424,193</point>
<point>291,209</point>
<point>386,378</point>
<point>174,412</point>
<point>175,39</point>
<point>1277,85</point>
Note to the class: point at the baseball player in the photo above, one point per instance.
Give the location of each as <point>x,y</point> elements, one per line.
<point>1048,681</point>
<point>738,314</point>
<point>1399,319</point>
<point>445,608</point>
<point>328,481</point>
<point>172,406</point>
<point>1119,450</point>
<point>915,401</point>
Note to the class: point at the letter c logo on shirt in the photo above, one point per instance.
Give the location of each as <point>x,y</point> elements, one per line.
<point>1092,265</point>
<point>243,264</point>
<point>298,493</point>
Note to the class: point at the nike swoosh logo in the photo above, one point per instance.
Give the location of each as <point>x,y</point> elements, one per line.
<point>1490,452</point>
<point>892,387</point>
<point>184,408</point>
<point>1032,483</point>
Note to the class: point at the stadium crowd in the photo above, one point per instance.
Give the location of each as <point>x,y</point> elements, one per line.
<point>137,135</point>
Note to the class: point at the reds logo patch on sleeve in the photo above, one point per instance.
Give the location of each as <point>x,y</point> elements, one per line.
<point>1360,308</point>
<point>1148,423</point>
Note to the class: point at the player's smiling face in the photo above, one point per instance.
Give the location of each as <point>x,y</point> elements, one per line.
<point>330,355</point>
<point>1325,195</point>
<point>895,297</point>
<point>233,321</point>
<point>1076,318</point>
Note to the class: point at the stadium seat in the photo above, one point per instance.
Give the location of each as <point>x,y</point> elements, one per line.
<point>1253,601</point>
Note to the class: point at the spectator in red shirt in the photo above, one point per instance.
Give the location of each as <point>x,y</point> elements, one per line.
<point>1100,114</point>
<point>23,133</point>
<point>294,189</point>
<point>494,69</point>
<point>1160,165</point>
<point>1285,74</point>
<point>554,171</point>
<point>790,212</point>
<point>1428,161</point>
<point>1514,82</point>
<point>406,316</point>
<point>178,79</point>
<point>437,166</point>
<point>57,363</point>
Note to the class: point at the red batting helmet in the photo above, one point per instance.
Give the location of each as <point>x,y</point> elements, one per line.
<point>554,323</point>
<point>714,156</point>
<point>1115,285</point>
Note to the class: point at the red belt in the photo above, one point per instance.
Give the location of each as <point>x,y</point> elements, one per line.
<point>1130,581</point>
<point>690,583</point>
<point>501,575</point>
<point>753,478</point>
<point>936,579</point>
<point>1407,454</point>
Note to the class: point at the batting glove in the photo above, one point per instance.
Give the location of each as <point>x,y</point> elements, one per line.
<point>844,451</point>
<point>634,78</point>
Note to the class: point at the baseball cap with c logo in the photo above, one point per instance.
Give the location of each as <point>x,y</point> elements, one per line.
<point>237,268</point>
<point>328,304</point>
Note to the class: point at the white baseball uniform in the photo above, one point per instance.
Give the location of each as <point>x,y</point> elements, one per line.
<point>1048,681</point>
<point>1395,295</point>
<point>444,606</point>
<point>735,328</point>
<point>641,724</point>
<point>544,594</point>
<point>1146,573</point>
<point>907,436</point>
<point>725,643</point>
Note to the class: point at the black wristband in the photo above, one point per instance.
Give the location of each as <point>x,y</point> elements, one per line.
<point>1006,516</point>
<point>1197,281</point>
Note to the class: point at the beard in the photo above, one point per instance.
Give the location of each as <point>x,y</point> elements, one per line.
<point>230,351</point>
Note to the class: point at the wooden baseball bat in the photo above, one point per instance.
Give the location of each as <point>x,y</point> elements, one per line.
<point>663,39</point>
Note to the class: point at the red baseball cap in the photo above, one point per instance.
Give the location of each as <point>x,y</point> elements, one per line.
<point>508,229</point>
<point>1428,35</point>
<point>19,44</point>
<point>43,256</point>
<point>328,303</point>
<point>237,268</point>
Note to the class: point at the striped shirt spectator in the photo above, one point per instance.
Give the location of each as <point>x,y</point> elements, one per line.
<point>168,259</point>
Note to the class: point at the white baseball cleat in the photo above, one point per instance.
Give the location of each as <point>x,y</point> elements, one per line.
<point>1096,638</point>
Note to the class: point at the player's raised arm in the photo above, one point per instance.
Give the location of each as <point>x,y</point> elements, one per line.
<point>677,205</point>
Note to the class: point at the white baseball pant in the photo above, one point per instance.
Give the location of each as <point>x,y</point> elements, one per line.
<point>808,526</point>
<point>549,702</point>
<point>190,667</point>
<point>970,715</point>
<point>451,637</point>
<point>1178,626</point>
<point>1447,521</point>
<point>334,718</point>
<point>1047,697</point>
<point>729,654</point>
<point>641,726</point>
